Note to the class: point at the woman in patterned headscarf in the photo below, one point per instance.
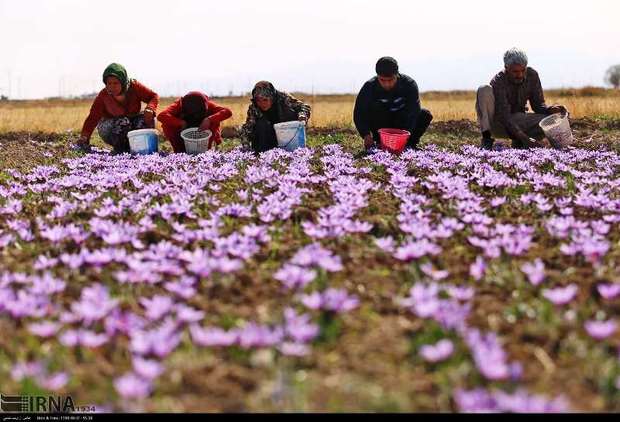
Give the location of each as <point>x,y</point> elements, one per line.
<point>268,107</point>
<point>116,110</point>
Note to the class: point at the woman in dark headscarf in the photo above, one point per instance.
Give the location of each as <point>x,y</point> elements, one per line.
<point>192,110</point>
<point>116,110</point>
<point>268,107</point>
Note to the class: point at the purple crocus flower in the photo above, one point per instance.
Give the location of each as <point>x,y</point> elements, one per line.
<point>73,261</point>
<point>496,202</point>
<point>36,371</point>
<point>95,303</point>
<point>522,402</point>
<point>600,330</point>
<point>44,328</point>
<point>235,210</point>
<point>26,303</point>
<point>86,338</point>
<point>489,356</point>
<point>535,271</point>
<point>160,341</point>
<point>298,327</point>
<point>338,300</point>
<point>416,249</point>
<point>226,265</point>
<point>434,274</point>
<point>13,206</point>
<point>242,195</point>
<point>47,285</point>
<point>157,307</point>
<point>188,314</point>
<point>123,322</point>
<point>475,401</point>
<point>254,335</point>
<point>452,315</point>
<point>478,268</point>
<point>213,337</point>
<point>294,276</point>
<point>315,254</point>
<point>131,386</point>
<point>437,352</point>
<point>313,300</point>
<point>27,370</point>
<point>386,243</point>
<point>147,369</point>
<point>561,295</point>
<point>6,240</point>
<point>44,262</point>
<point>259,233</point>
<point>54,234</point>
<point>482,401</point>
<point>423,300</point>
<point>461,293</point>
<point>184,289</point>
<point>55,381</point>
<point>609,291</point>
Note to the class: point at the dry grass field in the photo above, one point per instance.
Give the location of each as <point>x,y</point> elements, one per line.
<point>328,111</point>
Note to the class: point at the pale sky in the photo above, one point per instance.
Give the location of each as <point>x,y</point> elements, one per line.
<point>60,47</point>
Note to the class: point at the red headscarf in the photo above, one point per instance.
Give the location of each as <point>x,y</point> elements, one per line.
<point>194,106</point>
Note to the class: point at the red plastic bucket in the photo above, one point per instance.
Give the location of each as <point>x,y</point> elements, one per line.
<point>394,140</point>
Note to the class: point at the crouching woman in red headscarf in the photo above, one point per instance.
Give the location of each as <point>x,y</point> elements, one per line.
<point>193,110</point>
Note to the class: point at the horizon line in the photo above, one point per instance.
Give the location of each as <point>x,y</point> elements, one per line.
<point>89,95</point>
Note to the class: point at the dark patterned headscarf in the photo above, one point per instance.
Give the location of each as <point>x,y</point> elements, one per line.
<point>264,89</point>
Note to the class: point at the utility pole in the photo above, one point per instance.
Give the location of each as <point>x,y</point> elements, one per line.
<point>313,96</point>
<point>61,86</point>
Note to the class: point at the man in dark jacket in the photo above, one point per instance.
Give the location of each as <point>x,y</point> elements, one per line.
<point>390,100</point>
<point>501,106</point>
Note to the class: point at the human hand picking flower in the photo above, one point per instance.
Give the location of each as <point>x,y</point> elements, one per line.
<point>369,141</point>
<point>206,124</point>
<point>556,108</point>
<point>83,144</point>
<point>149,117</point>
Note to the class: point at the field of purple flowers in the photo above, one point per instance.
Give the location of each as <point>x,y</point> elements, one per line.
<point>446,279</point>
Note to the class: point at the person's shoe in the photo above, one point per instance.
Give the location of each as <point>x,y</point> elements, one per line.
<point>487,143</point>
<point>119,150</point>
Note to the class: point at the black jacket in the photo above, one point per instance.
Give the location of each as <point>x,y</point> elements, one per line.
<point>372,100</point>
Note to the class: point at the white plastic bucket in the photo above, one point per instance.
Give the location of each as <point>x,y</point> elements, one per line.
<point>557,130</point>
<point>291,135</point>
<point>196,141</point>
<point>143,141</point>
